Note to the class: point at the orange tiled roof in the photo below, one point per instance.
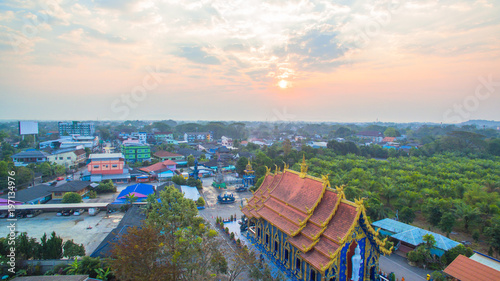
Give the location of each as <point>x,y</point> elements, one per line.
<point>315,218</point>
<point>389,139</point>
<point>466,269</point>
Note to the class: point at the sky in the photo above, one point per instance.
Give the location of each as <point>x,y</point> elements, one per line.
<point>337,61</point>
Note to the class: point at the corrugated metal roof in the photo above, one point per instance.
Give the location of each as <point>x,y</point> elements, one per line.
<point>466,269</point>
<point>414,237</point>
<point>393,226</point>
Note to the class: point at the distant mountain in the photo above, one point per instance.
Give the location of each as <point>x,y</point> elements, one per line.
<point>481,123</point>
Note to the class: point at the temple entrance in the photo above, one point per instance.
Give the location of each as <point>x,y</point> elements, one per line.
<point>353,246</point>
<point>373,273</point>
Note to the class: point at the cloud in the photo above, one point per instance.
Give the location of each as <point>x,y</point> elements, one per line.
<point>196,54</point>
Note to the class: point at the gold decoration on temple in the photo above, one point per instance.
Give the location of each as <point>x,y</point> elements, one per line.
<point>326,181</point>
<point>285,166</point>
<point>268,170</point>
<point>303,167</point>
<point>340,191</point>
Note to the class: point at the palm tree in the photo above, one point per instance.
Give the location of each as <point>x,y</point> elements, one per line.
<point>388,191</point>
<point>467,213</point>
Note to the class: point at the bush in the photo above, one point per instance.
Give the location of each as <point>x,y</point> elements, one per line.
<point>200,202</point>
<point>438,276</point>
<point>475,235</point>
<point>453,253</point>
<point>180,180</point>
<point>92,194</point>
<point>106,187</point>
<point>72,197</point>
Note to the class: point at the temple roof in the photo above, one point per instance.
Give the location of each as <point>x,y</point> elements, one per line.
<point>316,218</point>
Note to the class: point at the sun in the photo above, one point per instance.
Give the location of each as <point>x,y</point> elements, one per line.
<point>283,84</point>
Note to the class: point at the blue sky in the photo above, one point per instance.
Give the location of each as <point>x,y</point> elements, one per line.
<point>250,60</point>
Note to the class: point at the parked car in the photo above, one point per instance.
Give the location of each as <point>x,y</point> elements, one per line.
<point>94,211</point>
<point>79,212</point>
<point>33,213</point>
<point>21,214</point>
<point>60,178</point>
<point>54,183</point>
<point>67,212</point>
<point>59,213</point>
<point>4,215</point>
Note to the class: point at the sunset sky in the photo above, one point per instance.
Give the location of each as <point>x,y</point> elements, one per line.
<point>339,61</point>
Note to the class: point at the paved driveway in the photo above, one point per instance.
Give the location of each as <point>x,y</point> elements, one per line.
<point>401,268</point>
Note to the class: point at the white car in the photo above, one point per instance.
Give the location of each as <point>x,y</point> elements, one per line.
<point>79,212</point>
<point>59,213</point>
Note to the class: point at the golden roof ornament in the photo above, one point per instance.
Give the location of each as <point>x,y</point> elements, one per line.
<point>340,191</point>
<point>285,166</point>
<point>326,181</point>
<point>303,167</point>
<point>268,171</point>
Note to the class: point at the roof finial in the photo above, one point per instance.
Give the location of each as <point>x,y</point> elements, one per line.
<point>268,171</point>
<point>303,167</point>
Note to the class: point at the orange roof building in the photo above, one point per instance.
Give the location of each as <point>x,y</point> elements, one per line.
<point>465,269</point>
<point>310,230</point>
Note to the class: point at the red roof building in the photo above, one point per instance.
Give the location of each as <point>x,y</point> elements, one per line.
<point>163,155</point>
<point>465,269</point>
<point>160,166</point>
<point>311,230</point>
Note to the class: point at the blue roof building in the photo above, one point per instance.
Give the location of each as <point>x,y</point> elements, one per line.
<point>140,191</point>
<point>412,236</point>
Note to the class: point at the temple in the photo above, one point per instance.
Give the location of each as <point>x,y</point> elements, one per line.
<point>249,177</point>
<point>310,231</point>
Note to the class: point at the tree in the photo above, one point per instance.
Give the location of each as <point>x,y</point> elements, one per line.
<point>467,213</point>
<point>391,132</point>
<point>287,147</point>
<point>429,240</point>
<point>388,192</point>
<point>51,248</point>
<point>453,253</point>
<point>494,147</point>
<point>493,234</point>
<point>200,202</point>
<point>173,244</point>
<point>74,267</point>
<point>241,165</point>
<point>135,256</point>
<point>106,186</point>
<point>71,249</point>
<point>343,132</point>
<point>190,160</point>
<point>72,197</point>
<point>178,179</point>
<point>407,215</point>
<point>447,223</point>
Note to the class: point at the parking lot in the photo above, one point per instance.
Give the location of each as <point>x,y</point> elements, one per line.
<point>83,229</point>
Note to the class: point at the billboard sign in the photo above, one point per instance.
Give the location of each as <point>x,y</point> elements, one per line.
<point>28,128</point>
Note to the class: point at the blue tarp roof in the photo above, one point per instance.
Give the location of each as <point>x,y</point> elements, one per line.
<point>140,188</point>
<point>412,234</point>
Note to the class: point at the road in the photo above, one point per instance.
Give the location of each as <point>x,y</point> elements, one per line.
<point>401,268</point>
